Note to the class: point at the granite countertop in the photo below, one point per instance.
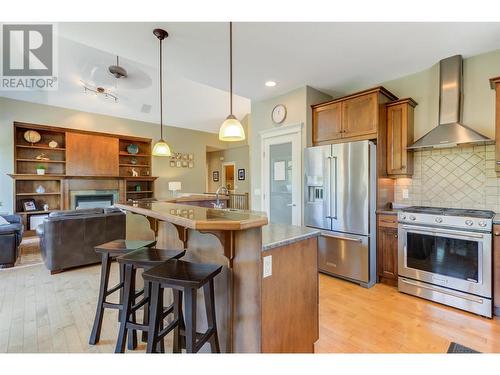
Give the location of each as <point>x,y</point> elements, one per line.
<point>276,235</point>
<point>197,198</point>
<point>195,217</point>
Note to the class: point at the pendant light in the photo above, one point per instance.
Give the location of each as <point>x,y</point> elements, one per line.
<point>231,129</point>
<point>161,148</point>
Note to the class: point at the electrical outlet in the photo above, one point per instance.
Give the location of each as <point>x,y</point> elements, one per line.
<point>268,266</point>
<point>406,195</point>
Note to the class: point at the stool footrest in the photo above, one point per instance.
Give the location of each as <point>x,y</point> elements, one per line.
<point>165,331</point>
<point>137,326</point>
<point>139,304</point>
<point>111,305</point>
<point>114,289</point>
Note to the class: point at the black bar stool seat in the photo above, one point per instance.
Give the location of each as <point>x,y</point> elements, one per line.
<point>145,258</point>
<point>185,278</point>
<point>108,251</point>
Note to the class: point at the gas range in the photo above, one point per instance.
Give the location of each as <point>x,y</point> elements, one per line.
<point>465,219</point>
<point>445,255</point>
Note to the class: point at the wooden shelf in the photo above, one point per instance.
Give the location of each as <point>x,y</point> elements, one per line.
<point>139,192</point>
<point>124,153</point>
<point>41,161</point>
<point>135,165</point>
<point>36,194</point>
<point>42,147</point>
<point>34,212</point>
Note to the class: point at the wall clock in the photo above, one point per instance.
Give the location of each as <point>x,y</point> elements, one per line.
<point>278,114</point>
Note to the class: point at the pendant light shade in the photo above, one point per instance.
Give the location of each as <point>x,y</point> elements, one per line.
<point>231,129</point>
<point>161,148</point>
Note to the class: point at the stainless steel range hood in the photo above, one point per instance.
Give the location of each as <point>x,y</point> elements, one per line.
<point>450,131</point>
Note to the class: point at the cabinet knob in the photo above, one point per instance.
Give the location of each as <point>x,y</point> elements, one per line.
<point>395,236</point>
<point>497,233</point>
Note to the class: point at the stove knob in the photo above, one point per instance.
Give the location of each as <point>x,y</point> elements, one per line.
<point>469,222</point>
<point>403,217</point>
<point>412,218</point>
<point>482,223</point>
<point>438,220</point>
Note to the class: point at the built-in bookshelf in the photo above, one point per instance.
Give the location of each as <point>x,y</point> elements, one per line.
<point>69,154</point>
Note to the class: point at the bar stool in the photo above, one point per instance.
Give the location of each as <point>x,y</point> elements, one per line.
<point>145,258</point>
<point>184,278</point>
<point>109,251</point>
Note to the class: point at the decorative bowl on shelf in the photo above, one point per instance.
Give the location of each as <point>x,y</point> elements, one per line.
<point>32,136</point>
<point>133,149</point>
<point>53,144</point>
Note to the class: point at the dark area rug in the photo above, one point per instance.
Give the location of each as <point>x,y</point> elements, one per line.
<point>457,348</point>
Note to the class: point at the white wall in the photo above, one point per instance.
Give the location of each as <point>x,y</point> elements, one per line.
<point>298,104</point>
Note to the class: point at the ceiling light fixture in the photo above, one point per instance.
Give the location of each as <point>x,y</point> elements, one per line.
<point>161,148</point>
<point>98,90</point>
<point>117,70</point>
<point>270,83</point>
<point>231,129</point>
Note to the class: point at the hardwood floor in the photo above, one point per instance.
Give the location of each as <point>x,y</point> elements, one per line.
<point>382,320</point>
<point>44,313</point>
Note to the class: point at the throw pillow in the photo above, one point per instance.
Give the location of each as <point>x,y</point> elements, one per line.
<point>3,221</point>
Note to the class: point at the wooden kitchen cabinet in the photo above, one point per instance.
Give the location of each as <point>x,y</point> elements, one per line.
<point>387,249</point>
<point>359,116</point>
<point>351,118</point>
<point>495,85</point>
<point>399,137</point>
<point>327,122</point>
<point>496,270</point>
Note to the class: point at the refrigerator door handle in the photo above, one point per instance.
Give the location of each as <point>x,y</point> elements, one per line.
<point>328,170</point>
<point>333,187</point>
<point>324,234</point>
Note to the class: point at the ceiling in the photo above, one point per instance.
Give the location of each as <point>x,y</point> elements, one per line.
<point>332,57</point>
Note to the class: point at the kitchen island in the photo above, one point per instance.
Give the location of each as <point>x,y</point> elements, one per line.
<point>267,293</point>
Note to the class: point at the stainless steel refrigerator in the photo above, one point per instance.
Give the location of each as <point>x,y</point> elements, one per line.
<point>340,198</point>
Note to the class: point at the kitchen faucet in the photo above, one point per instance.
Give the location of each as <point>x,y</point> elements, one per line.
<point>218,203</point>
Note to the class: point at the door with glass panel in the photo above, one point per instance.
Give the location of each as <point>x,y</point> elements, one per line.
<point>282,184</point>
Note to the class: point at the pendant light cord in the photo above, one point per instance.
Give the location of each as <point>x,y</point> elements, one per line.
<point>161,92</point>
<point>231,68</point>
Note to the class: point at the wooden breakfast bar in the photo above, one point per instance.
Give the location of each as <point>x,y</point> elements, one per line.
<point>256,312</point>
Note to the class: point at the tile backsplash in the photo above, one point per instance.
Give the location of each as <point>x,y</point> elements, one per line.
<point>460,177</point>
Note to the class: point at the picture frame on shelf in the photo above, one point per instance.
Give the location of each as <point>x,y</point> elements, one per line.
<point>215,176</point>
<point>172,163</point>
<point>241,174</point>
<point>29,205</point>
<point>184,164</point>
<point>191,164</point>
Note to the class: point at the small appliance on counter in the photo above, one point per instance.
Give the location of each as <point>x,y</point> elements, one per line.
<point>340,199</point>
<point>445,255</point>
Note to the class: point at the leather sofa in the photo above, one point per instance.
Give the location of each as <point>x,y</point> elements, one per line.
<point>68,238</point>
<point>11,236</point>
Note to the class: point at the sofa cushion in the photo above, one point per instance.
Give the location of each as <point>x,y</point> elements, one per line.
<point>11,228</point>
<point>3,221</point>
<point>80,212</point>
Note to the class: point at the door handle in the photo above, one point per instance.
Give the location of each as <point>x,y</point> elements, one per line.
<point>291,205</point>
<point>340,237</point>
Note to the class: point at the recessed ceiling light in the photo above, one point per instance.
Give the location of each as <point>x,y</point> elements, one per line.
<point>270,83</point>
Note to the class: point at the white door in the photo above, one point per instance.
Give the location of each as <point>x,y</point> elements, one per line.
<point>281,177</point>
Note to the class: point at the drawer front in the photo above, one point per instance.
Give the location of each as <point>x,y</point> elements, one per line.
<point>390,221</point>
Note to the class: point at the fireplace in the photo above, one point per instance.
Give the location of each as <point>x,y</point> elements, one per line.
<point>93,198</point>
<point>94,201</point>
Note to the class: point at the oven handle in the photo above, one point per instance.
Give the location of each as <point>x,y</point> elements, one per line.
<point>441,290</point>
<point>444,231</point>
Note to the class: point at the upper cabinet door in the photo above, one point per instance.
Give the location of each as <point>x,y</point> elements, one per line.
<point>327,123</point>
<point>399,137</point>
<point>91,155</point>
<point>360,116</point>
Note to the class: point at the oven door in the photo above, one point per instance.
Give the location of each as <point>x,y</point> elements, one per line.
<point>449,258</point>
